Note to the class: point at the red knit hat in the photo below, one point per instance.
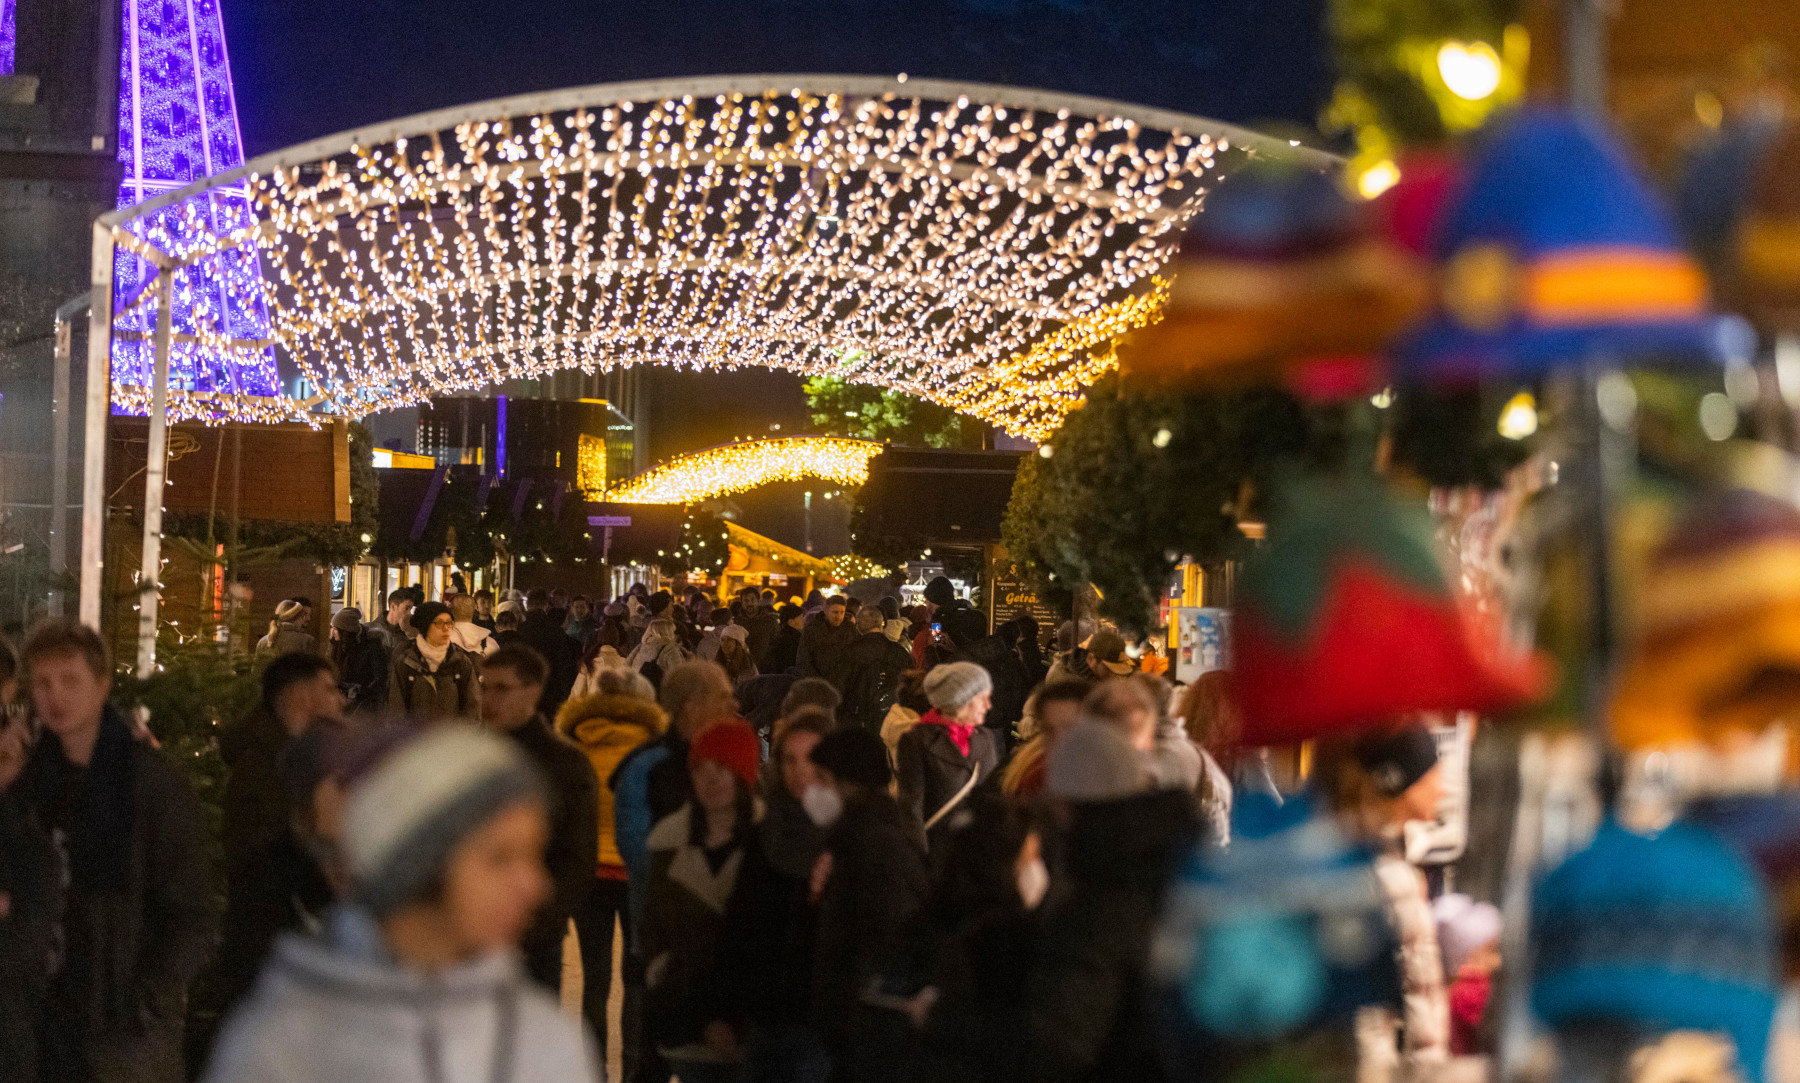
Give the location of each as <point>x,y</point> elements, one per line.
<point>733,746</point>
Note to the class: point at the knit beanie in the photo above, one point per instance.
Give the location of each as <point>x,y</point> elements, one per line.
<point>1464,927</point>
<point>410,811</point>
<point>1659,933</point>
<point>894,630</point>
<point>951,685</point>
<point>423,615</point>
<point>1094,762</point>
<point>939,592</point>
<point>854,755</point>
<point>1396,759</point>
<point>731,745</point>
<point>347,619</point>
<point>735,631</point>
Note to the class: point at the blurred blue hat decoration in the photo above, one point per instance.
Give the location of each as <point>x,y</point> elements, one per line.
<point>1555,252</point>
<point>1657,933</point>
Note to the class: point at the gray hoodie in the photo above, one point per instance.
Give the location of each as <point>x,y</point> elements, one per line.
<point>340,1008</point>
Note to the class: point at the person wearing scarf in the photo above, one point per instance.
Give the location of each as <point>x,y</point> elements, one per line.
<point>661,647</point>
<point>432,677</point>
<point>949,752</point>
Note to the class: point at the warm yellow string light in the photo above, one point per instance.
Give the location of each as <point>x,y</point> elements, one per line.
<point>740,467</point>
<point>975,254</point>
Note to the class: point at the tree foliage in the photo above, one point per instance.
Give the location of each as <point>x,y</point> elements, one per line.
<point>1135,482</point>
<point>841,408</point>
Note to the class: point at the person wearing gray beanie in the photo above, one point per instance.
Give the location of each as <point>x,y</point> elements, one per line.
<point>943,758</point>
<point>443,837</point>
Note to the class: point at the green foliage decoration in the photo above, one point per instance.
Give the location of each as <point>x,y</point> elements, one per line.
<point>1134,482</point>
<point>841,408</point>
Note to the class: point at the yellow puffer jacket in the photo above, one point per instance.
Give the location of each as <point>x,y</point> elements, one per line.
<point>608,727</point>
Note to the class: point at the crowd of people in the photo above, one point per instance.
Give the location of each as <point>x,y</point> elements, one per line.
<point>841,841</point>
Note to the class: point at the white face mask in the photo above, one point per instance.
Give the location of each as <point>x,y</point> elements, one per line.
<point>823,804</point>
<point>1034,883</point>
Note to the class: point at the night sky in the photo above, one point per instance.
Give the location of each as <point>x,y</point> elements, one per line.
<point>307,68</point>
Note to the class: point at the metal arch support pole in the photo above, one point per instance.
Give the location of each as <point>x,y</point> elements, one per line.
<point>156,465</point>
<point>59,449</point>
<point>98,408</point>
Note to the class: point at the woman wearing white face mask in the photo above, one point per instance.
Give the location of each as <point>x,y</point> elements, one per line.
<point>869,884</point>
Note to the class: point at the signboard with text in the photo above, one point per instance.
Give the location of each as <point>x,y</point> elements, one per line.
<point>1012,594</point>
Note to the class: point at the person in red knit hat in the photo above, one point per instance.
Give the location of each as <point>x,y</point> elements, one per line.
<point>696,856</point>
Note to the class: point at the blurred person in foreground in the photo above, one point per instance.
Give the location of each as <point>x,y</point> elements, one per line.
<point>1049,713</point>
<point>29,899</point>
<point>512,685</point>
<point>416,978</point>
<point>1083,1013</point>
<point>761,983</point>
<point>136,924</point>
<point>869,882</point>
<point>1376,784</point>
<point>649,785</point>
<point>298,691</point>
<point>696,855</point>
<point>616,716</point>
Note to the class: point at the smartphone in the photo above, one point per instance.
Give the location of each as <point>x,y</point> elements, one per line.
<point>937,626</point>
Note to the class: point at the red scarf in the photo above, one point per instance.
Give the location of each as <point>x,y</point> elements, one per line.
<point>960,733</point>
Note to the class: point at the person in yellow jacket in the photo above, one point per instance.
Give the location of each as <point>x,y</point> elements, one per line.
<point>618,714</point>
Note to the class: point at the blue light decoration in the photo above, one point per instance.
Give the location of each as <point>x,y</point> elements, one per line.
<point>9,36</point>
<point>177,124</point>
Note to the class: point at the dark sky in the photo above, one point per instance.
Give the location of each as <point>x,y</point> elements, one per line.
<point>306,68</point>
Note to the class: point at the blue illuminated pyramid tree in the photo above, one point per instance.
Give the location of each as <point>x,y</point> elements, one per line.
<point>178,123</point>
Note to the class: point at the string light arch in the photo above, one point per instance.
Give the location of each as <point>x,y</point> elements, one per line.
<point>742,466</point>
<point>978,246</point>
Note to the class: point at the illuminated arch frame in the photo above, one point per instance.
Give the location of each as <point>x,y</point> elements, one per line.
<point>744,465</point>
<point>994,242</point>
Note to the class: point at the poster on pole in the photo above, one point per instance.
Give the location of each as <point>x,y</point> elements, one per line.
<point>1202,641</point>
<point>1012,595</point>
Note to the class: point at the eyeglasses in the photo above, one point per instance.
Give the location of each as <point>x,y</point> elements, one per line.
<point>446,620</point>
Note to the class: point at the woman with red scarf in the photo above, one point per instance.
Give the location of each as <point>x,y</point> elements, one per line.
<point>950,752</point>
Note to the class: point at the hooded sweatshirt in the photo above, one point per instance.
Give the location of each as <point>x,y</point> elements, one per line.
<point>608,728</point>
<point>340,1007</point>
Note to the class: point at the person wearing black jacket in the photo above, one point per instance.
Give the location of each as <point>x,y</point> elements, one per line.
<point>29,899</point>
<point>512,684</point>
<point>1083,1012</point>
<point>761,983</point>
<point>136,922</point>
<point>875,878</point>
<point>825,641</point>
<point>784,648</point>
<point>873,667</point>
<point>543,633</point>
<point>362,660</point>
<point>298,690</point>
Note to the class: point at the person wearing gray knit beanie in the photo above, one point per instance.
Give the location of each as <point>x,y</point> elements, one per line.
<point>418,971</point>
<point>952,685</point>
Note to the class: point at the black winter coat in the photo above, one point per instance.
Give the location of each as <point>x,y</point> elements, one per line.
<point>1012,685</point>
<point>137,920</point>
<point>255,817</point>
<point>932,770</point>
<point>1084,1011</point>
<point>760,629</point>
<point>544,634</point>
<point>29,882</point>
<point>762,972</point>
<point>570,854</point>
<point>784,650</point>
<point>872,669</point>
<point>415,691</point>
<point>824,648</point>
<point>879,879</point>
